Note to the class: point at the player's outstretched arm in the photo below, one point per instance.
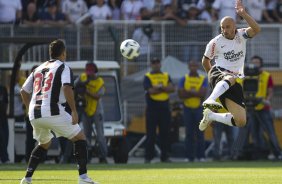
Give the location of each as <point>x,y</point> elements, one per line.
<point>254,27</point>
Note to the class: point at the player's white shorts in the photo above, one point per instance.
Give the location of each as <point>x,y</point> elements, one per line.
<point>61,125</point>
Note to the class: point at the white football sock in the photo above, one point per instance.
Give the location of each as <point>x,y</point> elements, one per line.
<point>224,118</point>
<point>219,89</point>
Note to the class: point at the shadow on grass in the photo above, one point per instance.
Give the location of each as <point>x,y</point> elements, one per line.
<point>234,164</point>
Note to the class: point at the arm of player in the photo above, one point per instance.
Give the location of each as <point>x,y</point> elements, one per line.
<point>26,98</point>
<point>206,62</point>
<point>254,27</point>
<point>68,92</point>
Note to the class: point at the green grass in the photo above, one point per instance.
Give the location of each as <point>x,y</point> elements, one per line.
<point>158,173</point>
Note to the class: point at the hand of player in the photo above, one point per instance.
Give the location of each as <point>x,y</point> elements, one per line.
<point>239,7</point>
<point>74,116</point>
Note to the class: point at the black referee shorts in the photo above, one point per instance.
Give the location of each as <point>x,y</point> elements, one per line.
<point>234,93</point>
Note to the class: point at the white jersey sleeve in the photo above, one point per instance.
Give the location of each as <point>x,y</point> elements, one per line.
<point>28,84</point>
<point>67,76</point>
<point>210,49</point>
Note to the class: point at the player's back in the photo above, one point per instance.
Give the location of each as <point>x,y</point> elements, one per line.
<point>48,97</point>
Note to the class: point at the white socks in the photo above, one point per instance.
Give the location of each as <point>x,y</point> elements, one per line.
<point>219,89</point>
<point>225,118</point>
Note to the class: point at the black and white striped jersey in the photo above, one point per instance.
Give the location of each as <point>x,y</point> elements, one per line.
<point>45,84</point>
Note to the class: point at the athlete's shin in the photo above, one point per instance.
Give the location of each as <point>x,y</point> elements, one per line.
<point>219,89</point>
<point>225,118</point>
<point>80,152</point>
<point>38,154</point>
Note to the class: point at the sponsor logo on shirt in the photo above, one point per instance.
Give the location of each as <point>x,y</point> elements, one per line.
<point>232,56</point>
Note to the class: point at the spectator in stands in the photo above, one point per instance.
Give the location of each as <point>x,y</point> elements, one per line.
<point>193,14</point>
<point>130,9</point>
<point>192,90</point>
<point>74,9</point>
<point>100,11</point>
<point>183,6</point>
<point>90,3</point>
<point>157,85</point>
<point>205,7</point>
<point>42,6</point>
<point>156,7</point>
<point>30,17</point>
<point>169,14</point>
<point>268,15</point>
<point>278,11</point>
<point>256,9</point>
<point>53,16</point>
<point>10,11</point>
<point>190,51</point>
<point>4,129</point>
<point>261,118</point>
<point>115,8</point>
<point>222,8</point>
<point>145,35</point>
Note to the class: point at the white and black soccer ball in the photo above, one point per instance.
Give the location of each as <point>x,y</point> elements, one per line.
<point>130,49</point>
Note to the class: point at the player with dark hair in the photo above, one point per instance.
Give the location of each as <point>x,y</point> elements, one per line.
<point>44,94</point>
<point>229,51</point>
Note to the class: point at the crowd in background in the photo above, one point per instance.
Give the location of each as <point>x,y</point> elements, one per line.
<point>63,12</point>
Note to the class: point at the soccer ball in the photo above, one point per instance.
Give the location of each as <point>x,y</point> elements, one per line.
<point>130,49</point>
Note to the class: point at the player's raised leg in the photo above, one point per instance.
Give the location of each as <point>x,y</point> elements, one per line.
<point>220,88</point>
<point>235,117</point>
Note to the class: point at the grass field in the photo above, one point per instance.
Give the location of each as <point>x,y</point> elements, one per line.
<point>158,173</point>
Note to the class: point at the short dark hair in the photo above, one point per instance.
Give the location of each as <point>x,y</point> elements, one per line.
<point>155,60</point>
<point>56,48</point>
<point>259,58</point>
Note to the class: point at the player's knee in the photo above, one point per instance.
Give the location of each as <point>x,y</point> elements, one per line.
<point>45,145</point>
<point>79,136</point>
<point>240,121</point>
<point>231,79</point>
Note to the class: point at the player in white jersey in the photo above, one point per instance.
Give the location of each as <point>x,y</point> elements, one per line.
<point>44,94</point>
<point>229,51</point>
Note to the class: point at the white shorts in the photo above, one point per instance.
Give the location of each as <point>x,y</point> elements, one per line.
<point>61,125</point>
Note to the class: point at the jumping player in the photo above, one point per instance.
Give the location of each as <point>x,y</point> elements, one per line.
<point>229,51</point>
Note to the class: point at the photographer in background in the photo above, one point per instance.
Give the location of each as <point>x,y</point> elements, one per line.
<point>93,109</point>
<point>261,120</point>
